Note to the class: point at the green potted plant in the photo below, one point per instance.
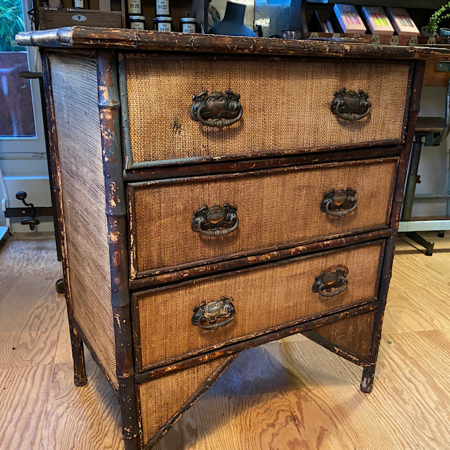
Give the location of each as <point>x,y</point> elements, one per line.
<point>433,25</point>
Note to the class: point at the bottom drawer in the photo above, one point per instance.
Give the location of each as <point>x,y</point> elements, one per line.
<point>250,302</point>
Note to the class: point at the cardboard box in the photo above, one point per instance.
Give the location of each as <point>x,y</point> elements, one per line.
<point>349,19</point>
<point>377,20</point>
<point>402,22</point>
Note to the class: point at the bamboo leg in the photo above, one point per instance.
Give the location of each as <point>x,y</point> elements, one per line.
<point>366,385</point>
<point>79,366</point>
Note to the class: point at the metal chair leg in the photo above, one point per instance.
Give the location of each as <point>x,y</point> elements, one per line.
<point>416,237</point>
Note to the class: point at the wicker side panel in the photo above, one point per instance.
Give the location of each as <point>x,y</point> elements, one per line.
<point>266,297</point>
<point>161,398</point>
<point>353,333</point>
<point>278,208</point>
<point>74,81</point>
<point>286,105</point>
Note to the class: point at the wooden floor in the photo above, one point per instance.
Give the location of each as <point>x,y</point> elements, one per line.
<point>287,395</point>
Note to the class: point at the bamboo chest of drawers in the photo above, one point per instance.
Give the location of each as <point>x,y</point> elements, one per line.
<point>218,193</point>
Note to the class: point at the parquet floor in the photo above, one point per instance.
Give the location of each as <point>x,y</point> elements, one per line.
<point>287,395</point>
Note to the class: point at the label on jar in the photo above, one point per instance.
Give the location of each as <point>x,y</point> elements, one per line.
<point>188,28</point>
<point>137,26</point>
<point>78,3</point>
<point>134,6</point>
<point>162,8</point>
<point>164,26</point>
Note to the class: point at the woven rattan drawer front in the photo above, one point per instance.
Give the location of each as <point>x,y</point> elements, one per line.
<point>279,207</point>
<point>286,106</point>
<point>265,298</point>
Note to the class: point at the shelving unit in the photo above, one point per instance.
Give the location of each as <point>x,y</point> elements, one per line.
<point>113,13</point>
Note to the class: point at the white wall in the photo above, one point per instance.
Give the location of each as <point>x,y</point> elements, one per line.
<point>434,161</point>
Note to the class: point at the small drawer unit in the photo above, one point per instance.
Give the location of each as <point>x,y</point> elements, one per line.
<point>215,193</point>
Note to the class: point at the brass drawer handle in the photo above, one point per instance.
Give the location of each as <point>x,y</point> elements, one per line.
<point>331,282</point>
<point>351,105</point>
<point>339,203</point>
<point>210,316</point>
<point>216,109</point>
<point>215,221</point>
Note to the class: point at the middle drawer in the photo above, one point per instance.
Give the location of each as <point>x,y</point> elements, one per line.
<point>182,222</point>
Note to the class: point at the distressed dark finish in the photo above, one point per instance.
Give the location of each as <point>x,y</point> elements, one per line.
<point>85,341</point>
<point>177,168</point>
<point>416,89</point>
<point>343,199</point>
<point>179,141</point>
<point>109,106</point>
<point>337,349</point>
<point>76,341</point>
<point>124,39</point>
<point>240,261</point>
<point>155,252</point>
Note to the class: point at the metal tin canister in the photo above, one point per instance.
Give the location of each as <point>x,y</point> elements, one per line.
<point>162,8</point>
<point>134,7</point>
<point>137,22</point>
<point>162,23</point>
<point>188,25</point>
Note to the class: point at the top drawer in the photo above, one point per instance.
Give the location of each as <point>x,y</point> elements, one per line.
<point>286,106</point>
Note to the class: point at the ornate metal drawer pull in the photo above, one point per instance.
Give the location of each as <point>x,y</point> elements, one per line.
<point>339,203</point>
<point>216,109</point>
<point>215,221</point>
<point>331,282</point>
<point>351,105</point>
<point>210,316</point>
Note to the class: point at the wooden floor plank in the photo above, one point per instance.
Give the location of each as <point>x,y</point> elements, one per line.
<point>86,418</point>
<point>250,391</point>
<point>23,397</point>
<point>286,395</point>
<point>30,308</point>
<point>419,295</point>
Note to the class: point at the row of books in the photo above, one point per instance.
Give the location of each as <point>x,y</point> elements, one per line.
<point>378,21</point>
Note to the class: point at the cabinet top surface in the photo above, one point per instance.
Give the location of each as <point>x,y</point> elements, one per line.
<point>125,39</point>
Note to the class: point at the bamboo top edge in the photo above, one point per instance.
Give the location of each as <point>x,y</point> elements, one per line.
<point>126,39</point>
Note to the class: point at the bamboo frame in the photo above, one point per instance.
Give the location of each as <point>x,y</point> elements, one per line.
<point>109,109</point>
<point>416,88</point>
